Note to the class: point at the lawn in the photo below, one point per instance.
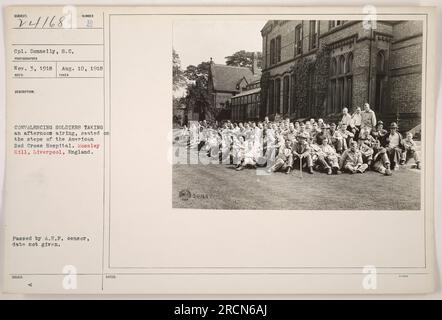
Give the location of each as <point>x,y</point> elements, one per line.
<point>219,186</point>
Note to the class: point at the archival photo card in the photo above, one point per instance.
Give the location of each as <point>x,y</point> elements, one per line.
<point>219,150</point>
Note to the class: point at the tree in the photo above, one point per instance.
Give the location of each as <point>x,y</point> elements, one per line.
<point>198,73</point>
<point>179,80</point>
<point>197,96</point>
<point>244,59</point>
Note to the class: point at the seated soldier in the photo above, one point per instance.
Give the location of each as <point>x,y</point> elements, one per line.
<point>314,132</point>
<point>410,151</point>
<point>238,149</point>
<point>327,157</point>
<point>301,151</point>
<point>284,160</point>
<point>248,156</point>
<point>291,133</point>
<point>365,143</point>
<point>351,159</point>
<point>315,152</point>
<point>334,138</point>
<point>379,132</point>
<point>325,132</point>
<point>212,144</point>
<point>381,163</point>
<point>393,144</point>
<point>345,135</point>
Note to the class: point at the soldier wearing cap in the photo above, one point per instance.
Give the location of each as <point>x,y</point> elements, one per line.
<point>379,132</point>
<point>394,145</point>
<point>301,151</point>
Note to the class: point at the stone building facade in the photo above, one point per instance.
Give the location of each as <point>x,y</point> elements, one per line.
<point>316,68</point>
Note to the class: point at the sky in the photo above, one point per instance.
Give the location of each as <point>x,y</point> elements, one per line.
<point>196,40</point>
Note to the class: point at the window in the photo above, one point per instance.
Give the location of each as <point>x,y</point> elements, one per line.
<point>271,97</point>
<point>277,95</point>
<point>380,62</point>
<point>275,50</point>
<point>341,65</point>
<point>349,80</point>
<point>292,96</point>
<point>285,99</point>
<point>381,77</point>
<point>332,105</point>
<point>278,49</point>
<point>335,23</point>
<point>266,52</point>
<point>349,65</point>
<point>313,34</point>
<point>298,39</point>
<point>272,51</point>
<point>310,96</point>
<point>341,83</point>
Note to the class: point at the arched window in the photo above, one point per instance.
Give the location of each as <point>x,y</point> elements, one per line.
<point>349,65</point>
<point>333,67</point>
<point>380,61</point>
<point>381,80</point>
<point>277,108</point>
<point>286,95</point>
<point>341,83</point>
<point>271,97</point>
<point>293,108</point>
<point>341,64</point>
<point>349,81</point>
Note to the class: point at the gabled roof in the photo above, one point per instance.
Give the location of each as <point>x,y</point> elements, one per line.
<point>226,78</point>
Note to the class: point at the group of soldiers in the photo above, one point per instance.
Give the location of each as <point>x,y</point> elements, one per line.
<point>356,144</point>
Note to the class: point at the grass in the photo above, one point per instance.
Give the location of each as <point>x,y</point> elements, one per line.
<point>219,186</point>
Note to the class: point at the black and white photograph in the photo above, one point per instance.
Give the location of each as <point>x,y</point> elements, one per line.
<point>297,114</point>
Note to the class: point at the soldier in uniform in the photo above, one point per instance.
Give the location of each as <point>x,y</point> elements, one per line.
<point>344,137</point>
<point>410,151</point>
<point>328,157</point>
<point>351,159</point>
<point>366,142</point>
<point>284,160</point>
<point>368,117</point>
<point>379,132</point>
<point>291,133</point>
<point>315,131</point>
<point>393,144</point>
<point>301,151</point>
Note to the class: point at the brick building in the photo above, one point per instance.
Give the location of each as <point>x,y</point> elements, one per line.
<point>316,68</point>
<point>226,81</point>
